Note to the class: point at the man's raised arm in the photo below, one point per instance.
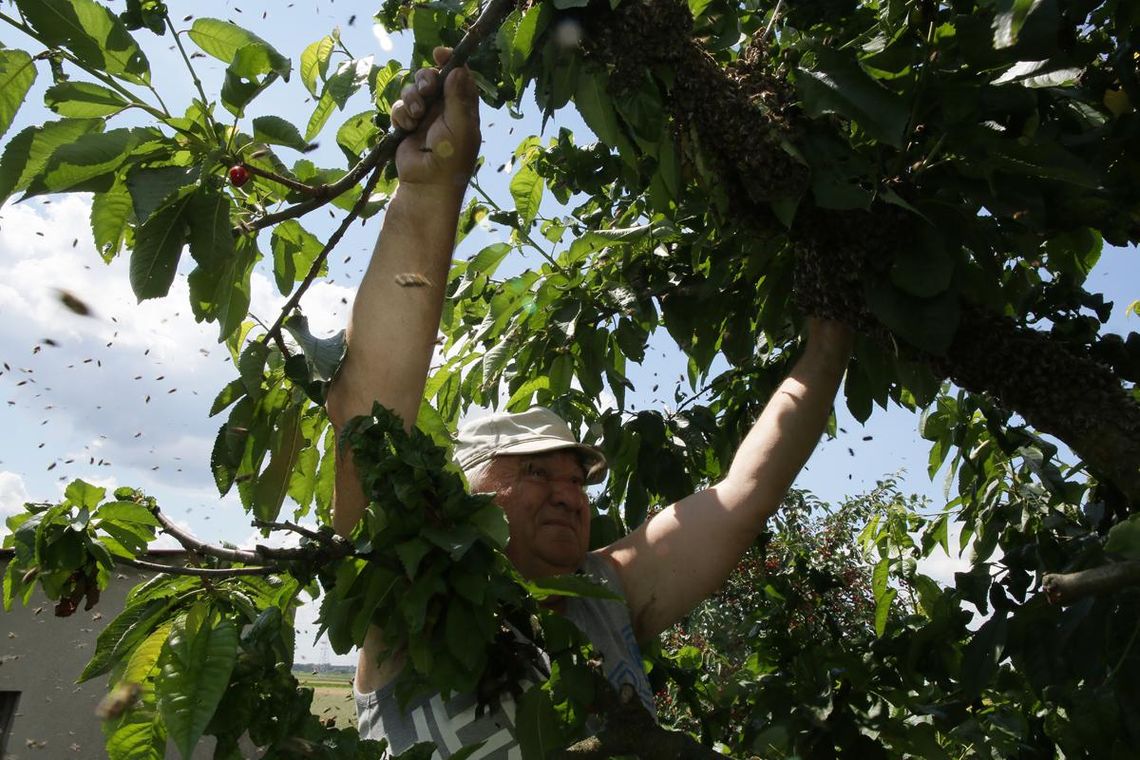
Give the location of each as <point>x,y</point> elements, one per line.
<point>392,329</point>
<point>684,553</point>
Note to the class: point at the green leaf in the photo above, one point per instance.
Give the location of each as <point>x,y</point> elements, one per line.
<point>128,511</point>
<point>492,522</point>
<point>526,189</point>
<point>139,733</point>
<point>458,630</point>
<point>195,667</point>
<point>315,62</point>
<point>321,114</point>
<point>487,260</point>
<point>839,85</point>
<point>92,32</point>
<point>220,291</point>
<point>927,323</point>
<point>1124,538</point>
<point>223,40</point>
<point>883,594</point>
<point>123,633</point>
<point>89,156</point>
<point>536,724</point>
<point>1009,20</point>
<point>17,73</point>
<point>411,552</point>
<point>521,44</point>
<point>110,215</point>
<point>357,134</point>
<point>926,268</point>
<point>211,233</point>
<point>597,110</point>
<point>28,152</point>
<point>150,187</point>
<point>981,656</point>
<point>294,251</point>
<point>277,131</point>
<point>158,246</point>
<point>1040,74</point>
<point>144,658</point>
<point>568,585</point>
<point>84,100</point>
<point>273,483</point>
<point>83,494</point>
<point>323,354</point>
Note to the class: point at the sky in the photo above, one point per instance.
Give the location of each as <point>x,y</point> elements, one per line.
<point>121,397</point>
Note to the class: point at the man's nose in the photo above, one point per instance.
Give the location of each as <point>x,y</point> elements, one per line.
<point>567,494</point>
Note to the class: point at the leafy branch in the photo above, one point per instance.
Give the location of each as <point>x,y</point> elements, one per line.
<point>385,151</point>
<point>377,158</point>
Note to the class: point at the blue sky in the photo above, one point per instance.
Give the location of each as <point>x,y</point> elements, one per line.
<point>123,396</point>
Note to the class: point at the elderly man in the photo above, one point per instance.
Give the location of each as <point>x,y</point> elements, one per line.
<point>531,461</point>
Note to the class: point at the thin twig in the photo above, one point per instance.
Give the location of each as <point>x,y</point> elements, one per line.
<point>274,332</point>
<point>524,233</point>
<point>327,539</point>
<point>488,21</point>
<point>772,21</point>
<point>193,74</point>
<point>199,572</point>
<point>292,184</point>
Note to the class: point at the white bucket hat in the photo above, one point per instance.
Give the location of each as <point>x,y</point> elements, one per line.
<point>535,431</point>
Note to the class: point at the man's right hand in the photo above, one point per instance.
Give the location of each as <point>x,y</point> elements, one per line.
<point>444,137</point>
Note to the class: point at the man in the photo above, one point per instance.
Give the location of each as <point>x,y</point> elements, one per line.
<point>531,461</point>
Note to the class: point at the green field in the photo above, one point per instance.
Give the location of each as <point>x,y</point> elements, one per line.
<point>332,696</point>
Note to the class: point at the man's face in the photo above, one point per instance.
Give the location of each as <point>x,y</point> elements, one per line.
<point>544,496</point>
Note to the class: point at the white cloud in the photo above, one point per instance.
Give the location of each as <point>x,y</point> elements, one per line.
<point>13,494</point>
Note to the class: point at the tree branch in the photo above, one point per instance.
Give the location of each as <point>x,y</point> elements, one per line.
<point>1066,588</point>
<point>274,332</point>
<point>199,572</point>
<point>294,528</point>
<point>740,116</point>
<point>193,544</point>
<point>292,184</point>
<point>488,21</point>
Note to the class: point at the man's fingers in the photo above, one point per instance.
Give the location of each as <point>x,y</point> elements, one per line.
<point>460,98</point>
<point>402,117</point>
<point>427,82</point>
<point>441,55</point>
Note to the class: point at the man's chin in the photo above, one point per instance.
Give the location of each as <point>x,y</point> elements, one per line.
<point>567,558</point>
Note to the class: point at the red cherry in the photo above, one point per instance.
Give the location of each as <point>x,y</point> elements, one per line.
<point>239,175</point>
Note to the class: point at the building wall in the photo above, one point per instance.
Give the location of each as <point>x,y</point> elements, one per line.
<point>40,658</point>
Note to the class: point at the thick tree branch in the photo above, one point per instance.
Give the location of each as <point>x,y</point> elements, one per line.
<point>740,117</point>
<point>193,544</point>
<point>1066,588</point>
<point>1057,388</point>
<point>324,547</point>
